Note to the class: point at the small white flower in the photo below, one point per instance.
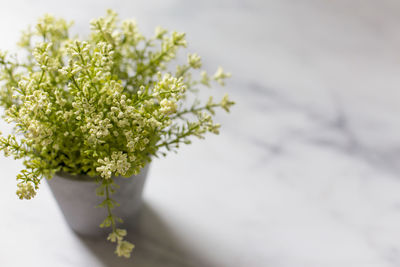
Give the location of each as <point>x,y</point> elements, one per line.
<point>124,249</point>
<point>220,76</point>
<point>194,61</point>
<point>168,106</point>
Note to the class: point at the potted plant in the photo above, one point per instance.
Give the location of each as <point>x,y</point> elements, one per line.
<point>99,109</point>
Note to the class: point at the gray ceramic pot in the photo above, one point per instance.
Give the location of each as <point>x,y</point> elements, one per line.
<point>78,200</point>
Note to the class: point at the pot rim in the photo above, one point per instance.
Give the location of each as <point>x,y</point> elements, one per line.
<point>87,178</point>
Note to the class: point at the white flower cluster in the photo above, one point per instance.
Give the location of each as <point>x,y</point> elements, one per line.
<point>124,248</point>
<point>194,61</point>
<point>168,92</point>
<point>26,190</point>
<point>118,165</point>
<point>41,53</point>
<point>168,106</point>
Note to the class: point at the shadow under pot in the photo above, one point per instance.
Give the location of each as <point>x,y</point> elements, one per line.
<point>77,199</point>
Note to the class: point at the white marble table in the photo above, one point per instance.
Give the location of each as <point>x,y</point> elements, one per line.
<point>306,171</point>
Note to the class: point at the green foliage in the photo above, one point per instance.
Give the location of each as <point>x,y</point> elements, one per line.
<point>100,107</point>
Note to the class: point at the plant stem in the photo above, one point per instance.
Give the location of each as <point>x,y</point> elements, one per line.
<point>108,199</point>
<point>193,110</point>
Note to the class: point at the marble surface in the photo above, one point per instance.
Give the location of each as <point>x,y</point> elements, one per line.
<point>306,171</point>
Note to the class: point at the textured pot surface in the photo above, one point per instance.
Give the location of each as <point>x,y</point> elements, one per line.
<point>78,200</point>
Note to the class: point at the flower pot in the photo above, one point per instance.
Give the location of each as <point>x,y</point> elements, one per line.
<point>78,201</point>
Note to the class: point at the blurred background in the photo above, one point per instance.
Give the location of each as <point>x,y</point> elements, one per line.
<point>306,169</point>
